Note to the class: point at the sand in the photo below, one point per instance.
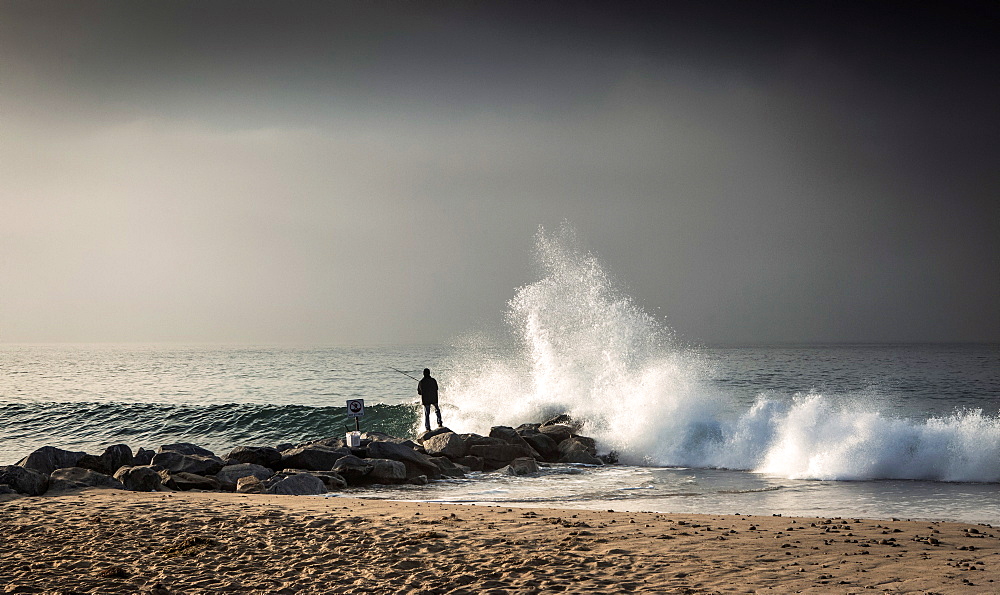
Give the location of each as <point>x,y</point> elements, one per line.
<point>108,541</point>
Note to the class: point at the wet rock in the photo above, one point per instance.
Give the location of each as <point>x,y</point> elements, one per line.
<point>447,444</point>
<point>77,478</point>
<point>331,479</point>
<point>6,489</point>
<point>544,445</point>
<point>527,429</point>
<point>580,456</point>
<point>447,467</point>
<point>229,475</point>
<point>562,420</point>
<point>498,455</point>
<point>176,462</point>
<point>24,480</point>
<point>139,478</point>
<point>264,456</point>
<point>298,484</point>
<point>47,459</point>
<point>575,443</point>
<point>313,457</point>
<point>521,466</point>
<point>113,458</point>
<point>186,448</point>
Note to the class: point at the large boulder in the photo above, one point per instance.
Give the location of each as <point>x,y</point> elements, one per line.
<point>544,445</point>
<point>497,455</point>
<point>521,466</point>
<point>448,444</point>
<point>264,456</point>
<point>76,478</point>
<point>188,481</point>
<point>141,478</point>
<point>580,456</point>
<point>563,420</point>
<point>353,469</point>
<point>230,475</point>
<point>312,457</point>
<point>113,458</point>
<point>416,463</point>
<point>186,448</point>
<point>387,471</point>
<point>473,463</point>
<point>431,433</point>
<point>24,480</point>
<point>331,479</point>
<point>47,459</point>
<point>297,484</point>
<point>175,462</point>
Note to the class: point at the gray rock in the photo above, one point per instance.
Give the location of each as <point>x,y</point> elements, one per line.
<point>186,448</point>
<point>6,489</point>
<point>139,478</point>
<point>113,458</point>
<point>416,463</point>
<point>544,445</point>
<point>563,420</point>
<point>265,456</point>
<point>24,480</point>
<point>47,459</point>
<point>76,478</point>
<point>521,466</point>
<point>175,462</point>
<point>249,485</point>
<point>353,469</point>
<point>332,442</point>
<point>298,484</point>
<point>312,457</point>
<point>387,471</point>
<point>477,440</point>
<point>580,456</point>
<point>331,479</point>
<point>527,429</point>
<point>229,475</point>
<point>448,444</point>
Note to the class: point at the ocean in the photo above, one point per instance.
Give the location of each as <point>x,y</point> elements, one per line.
<point>876,431</point>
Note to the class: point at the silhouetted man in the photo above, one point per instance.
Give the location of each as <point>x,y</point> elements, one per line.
<point>427,388</point>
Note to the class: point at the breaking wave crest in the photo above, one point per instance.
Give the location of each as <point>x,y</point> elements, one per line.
<point>579,345</point>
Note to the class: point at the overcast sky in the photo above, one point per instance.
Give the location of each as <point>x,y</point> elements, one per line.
<point>375,172</point>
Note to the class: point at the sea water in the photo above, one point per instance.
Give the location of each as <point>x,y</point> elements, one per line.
<point>905,431</point>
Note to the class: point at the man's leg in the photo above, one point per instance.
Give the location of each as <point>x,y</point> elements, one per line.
<point>438,410</point>
<point>427,417</point>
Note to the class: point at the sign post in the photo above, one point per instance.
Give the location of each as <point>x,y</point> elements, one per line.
<point>355,409</point>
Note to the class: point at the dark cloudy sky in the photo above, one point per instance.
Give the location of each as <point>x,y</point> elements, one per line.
<point>374,172</point>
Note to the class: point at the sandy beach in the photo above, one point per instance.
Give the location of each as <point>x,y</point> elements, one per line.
<point>110,541</point>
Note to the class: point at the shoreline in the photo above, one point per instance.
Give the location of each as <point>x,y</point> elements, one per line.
<point>111,541</point>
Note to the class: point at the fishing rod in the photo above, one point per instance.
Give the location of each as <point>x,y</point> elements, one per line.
<point>403,373</point>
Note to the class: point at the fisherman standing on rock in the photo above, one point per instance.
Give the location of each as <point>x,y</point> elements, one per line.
<point>427,388</point>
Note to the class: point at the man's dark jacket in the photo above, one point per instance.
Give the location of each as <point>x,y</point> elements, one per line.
<point>427,388</point>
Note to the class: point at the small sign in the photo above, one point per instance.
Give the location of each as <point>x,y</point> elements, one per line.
<point>355,407</point>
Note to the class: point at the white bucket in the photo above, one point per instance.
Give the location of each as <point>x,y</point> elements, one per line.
<point>353,439</point>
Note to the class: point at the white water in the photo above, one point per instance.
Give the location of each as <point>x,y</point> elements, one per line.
<point>581,346</point>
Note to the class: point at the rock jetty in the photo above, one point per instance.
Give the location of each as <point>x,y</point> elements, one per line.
<point>309,468</point>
